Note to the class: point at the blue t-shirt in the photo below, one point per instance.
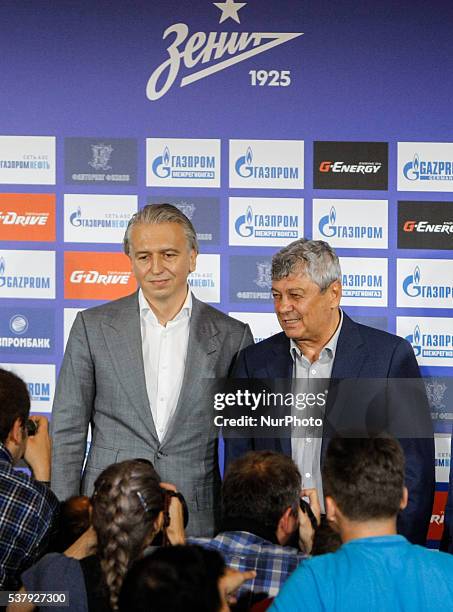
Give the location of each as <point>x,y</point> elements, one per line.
<point>377,574</point>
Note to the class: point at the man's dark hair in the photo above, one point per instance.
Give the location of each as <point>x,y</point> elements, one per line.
<point>260,486</point>
<point>14,402</point>
<point>176,578</point>
<point>365,476</point>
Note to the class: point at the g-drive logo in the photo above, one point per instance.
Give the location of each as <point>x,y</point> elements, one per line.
<point>431,345</point>
<point>209,48</point>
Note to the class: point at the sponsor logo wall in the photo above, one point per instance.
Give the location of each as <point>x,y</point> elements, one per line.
<point>232,114</point>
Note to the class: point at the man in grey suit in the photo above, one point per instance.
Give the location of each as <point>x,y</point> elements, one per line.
<point>136,370</point>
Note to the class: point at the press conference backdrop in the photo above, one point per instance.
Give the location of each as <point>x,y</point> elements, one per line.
<point>263,122</point>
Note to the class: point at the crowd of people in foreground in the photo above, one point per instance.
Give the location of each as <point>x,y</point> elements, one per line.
<point>126,548</point>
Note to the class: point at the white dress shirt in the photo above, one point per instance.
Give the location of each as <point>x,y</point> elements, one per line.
<point>313,378</point>
<point>164,357</point>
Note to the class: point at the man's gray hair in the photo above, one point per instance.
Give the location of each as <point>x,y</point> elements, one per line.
<point>161,213</point>
<point>315,258</point>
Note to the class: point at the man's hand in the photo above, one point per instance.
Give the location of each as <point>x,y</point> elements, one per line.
<point>175,530</point>
<point>38,450</point>
<point>230,582</point>
<point>84,546</point>
<point>306,531</point>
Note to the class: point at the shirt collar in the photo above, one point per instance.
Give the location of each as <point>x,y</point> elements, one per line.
<point>5,455</point>
<point>146,311</point>
<point>330,347</point>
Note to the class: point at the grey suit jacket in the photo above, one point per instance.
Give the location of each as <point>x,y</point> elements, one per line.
<point>102,382</point>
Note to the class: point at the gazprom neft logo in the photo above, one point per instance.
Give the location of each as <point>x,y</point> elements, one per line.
<point>365,281</point>
<point>425,166</point>
<point>351,223</point>
<point>205,281</point>
<point>425,283</point>
<point>97,218</point>
<point>271,164</point>
<point>265,221</point>
<point>27,274</point>
<point>27,160</point>
<point>183,162</point>
<point>215,51</point>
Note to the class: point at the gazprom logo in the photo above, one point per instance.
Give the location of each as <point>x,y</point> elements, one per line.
<point>22,282</point>
<point>411,284</point>
<point>266,226</point>
<point>433,170</point>
<point>435,345</point>
<point>2,266</point>
<point>245,169</point>
<point>39,391</point>
<point>413,288</point>
<point>161,164</point>
<point>329,228</point>
<point>184,166</point>
<point>362,285</point>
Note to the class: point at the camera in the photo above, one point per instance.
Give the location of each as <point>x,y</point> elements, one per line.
<point>305,507</point>
<point>32,427</point>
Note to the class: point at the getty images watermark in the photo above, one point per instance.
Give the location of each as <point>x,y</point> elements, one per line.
<point>269,411</point>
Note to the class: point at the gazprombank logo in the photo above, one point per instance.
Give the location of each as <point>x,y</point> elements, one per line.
<point>210,48</point>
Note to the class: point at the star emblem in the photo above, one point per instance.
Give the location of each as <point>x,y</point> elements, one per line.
<point>229,10</point>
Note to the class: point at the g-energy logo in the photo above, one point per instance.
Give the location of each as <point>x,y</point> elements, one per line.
<point>204,48</point>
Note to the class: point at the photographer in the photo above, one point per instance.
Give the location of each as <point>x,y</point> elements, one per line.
<point>130,507</point>
<point>265,525</point>
<point>28,507</point>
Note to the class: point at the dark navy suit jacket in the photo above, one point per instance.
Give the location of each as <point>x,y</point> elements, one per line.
<point>362,353</point>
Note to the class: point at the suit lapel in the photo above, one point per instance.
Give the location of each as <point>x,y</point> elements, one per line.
<point>202,354</point>
<point>123,338</point>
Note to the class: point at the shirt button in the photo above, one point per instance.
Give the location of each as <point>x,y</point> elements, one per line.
<point>313,372</point>
<point>308,440</point>
<point>161,399</point>
<point>307,475</point>
<point>164,367</point>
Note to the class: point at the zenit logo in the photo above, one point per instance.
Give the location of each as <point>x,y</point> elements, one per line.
<point>205,48</point>
<point>428,228</point>
<point>22,282</point>
<point>431,345</point>
<point>245,169</point>
<point>413,288</point>
<point>329,228</point>
<point>184,166</point>
<point>420,170</point>
<point>362,285</point>
<point>342,167</point>
<point>266,226</point>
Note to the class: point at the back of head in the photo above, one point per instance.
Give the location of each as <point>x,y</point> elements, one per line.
<point>14,402</point>
<point>260,486</point>
<point>126,502</point>
<point>315,258</point>
<point>176,578</point>
<point>365,476</point>
<point>162,213</point>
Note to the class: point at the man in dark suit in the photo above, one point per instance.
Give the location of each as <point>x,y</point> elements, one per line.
<point>136,369</point>
<point>320,342</point>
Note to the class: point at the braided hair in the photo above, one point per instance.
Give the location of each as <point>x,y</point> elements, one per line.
<point>126,503</point>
